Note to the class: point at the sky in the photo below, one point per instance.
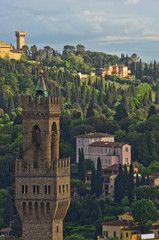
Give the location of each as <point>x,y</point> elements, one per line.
<point>110,26</point>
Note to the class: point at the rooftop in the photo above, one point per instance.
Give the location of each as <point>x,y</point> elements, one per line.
<point>154,176</point>
<point>107,144</point>
<point>94,135</point>
<point>116,223</point>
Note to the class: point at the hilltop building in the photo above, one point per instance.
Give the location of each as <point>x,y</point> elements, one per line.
<point>124,228</point>
<point>42,193</point>
<point>102,145</point>
<point>120,70</point>
<point>108,179</point>
<point>9,50</point>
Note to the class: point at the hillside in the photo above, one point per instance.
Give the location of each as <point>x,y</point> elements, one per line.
<point>126,107</point>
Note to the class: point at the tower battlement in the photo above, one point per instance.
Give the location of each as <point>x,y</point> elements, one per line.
<point>40,103</point>
<point>58,166</point>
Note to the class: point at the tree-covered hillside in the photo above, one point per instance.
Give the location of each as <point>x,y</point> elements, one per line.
<point>126,107</point>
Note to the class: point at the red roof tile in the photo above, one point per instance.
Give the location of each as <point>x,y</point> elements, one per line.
<point>94,135</point>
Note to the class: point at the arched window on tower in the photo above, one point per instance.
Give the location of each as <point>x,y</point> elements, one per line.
<point>36,136</point>
<point>54,142</point>
<point>30,208</point>
<point>36,210</point>
<point>42,209</point>
<point>24,208</point>
<point>48,208</point>
<point>36,141</point>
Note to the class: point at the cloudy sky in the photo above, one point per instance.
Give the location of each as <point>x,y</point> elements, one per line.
<point>111,26</point>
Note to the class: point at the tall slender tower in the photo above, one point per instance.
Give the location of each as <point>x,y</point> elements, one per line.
<point>20,35</point>
<point>42,194</point>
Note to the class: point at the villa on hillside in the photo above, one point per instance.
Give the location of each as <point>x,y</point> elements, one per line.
<point>108,179</point>
<point>102,145</point>
<point>120,70</point>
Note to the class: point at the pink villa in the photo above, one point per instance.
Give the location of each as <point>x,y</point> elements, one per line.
<point>102,145</point>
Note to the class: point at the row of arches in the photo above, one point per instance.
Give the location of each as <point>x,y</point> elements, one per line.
<point>37,142</point>
<point>39,210</point>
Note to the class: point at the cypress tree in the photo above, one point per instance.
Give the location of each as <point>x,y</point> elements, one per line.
<point>130,183</point>
<point>94,97</point>
<point>10,105</point>
<point>88,96</point>
<point>100,101</point>
<point>81,166</point>
<point>93,180</point>
<point>119,189</point>
<point>98,178</point>
<point>125,180</point>
<point>83,94</point>
<point>90,110</point>
<point>157,97</point>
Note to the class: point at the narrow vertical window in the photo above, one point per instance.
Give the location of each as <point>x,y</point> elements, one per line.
<point>36,189</point>
<point>67,188</point>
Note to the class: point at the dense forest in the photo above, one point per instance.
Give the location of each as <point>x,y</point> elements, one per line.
<point>126,107</point>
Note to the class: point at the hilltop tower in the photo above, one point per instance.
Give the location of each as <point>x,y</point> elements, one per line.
<point>42,194</point>
<point>20,35</point>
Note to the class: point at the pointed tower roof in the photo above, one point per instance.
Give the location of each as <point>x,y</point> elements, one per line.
<point>40,89</point>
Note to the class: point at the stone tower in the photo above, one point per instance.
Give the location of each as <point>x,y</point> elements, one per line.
<point>42,194</point>
<point>20,35</point>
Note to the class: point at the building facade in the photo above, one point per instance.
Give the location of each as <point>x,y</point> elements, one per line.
<point>110,153</point>
<point>84,140</point>
<point>9,50</point>
<point>124,228</point>
<point>42,193</point>
<point>120,70</point>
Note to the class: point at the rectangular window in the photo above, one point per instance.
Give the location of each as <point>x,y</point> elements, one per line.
<point>109,150</point>
<point>24,189</point>
<point>109,162</point>
<point>114,234</point>
<point>47,189</point>
<point>67,188</point>
<point>126,149</point>
<point>126,160</point>
<point>36,189</point>
<point>105,150</point>
<point>101,150</point>
<point>98,150</point>
<point>63,188</point>
<point>126,234</point>
<point>105,161</point>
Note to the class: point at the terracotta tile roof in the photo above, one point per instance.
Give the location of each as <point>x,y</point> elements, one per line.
<point>114,167</point>
<point>5,230</point>
<point>116,223</point>
<point>94,135</point>
<point>154,176</point>
<point>107,144</point>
